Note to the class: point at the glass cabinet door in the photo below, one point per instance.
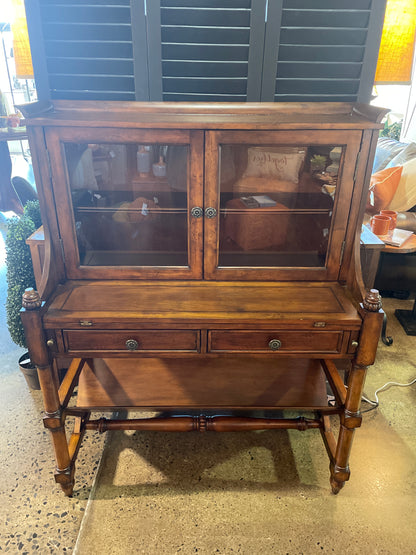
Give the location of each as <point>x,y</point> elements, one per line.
<point>276,201</point>
<point>129,202</point>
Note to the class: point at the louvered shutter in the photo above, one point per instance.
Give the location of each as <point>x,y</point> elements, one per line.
<point>88,49</point>
<point>321,50</point>
<point>210,50</point>
<point>205,50</point>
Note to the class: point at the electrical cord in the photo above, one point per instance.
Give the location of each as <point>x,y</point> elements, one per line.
<point>376,403</point>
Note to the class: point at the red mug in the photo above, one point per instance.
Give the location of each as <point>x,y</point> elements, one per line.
<point>392,215</point>
<point>380,224</point>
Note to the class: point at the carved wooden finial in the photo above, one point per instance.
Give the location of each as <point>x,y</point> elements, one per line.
<point>372,301</point>
<point>31,299</point>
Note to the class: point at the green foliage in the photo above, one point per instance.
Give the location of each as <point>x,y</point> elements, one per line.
<point>32,210</point>
<point>19,267</point>
<point>318,163</point>
<point>393,131</point>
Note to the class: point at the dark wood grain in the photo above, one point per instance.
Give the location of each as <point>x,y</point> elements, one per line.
<point>184,339</point>
<point>300,342</point>
<point>202,383</point>
<point>263,115</point>
<point>204,424</point>
<point>156,341</point>
<point>204,302</point>
<point>53,270</point>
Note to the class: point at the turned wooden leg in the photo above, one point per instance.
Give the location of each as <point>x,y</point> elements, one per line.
<point>351,418</point>
<point>54,422</point>
<point>53,419</point>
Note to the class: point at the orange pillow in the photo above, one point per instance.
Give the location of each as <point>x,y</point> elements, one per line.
<point>383,186</point>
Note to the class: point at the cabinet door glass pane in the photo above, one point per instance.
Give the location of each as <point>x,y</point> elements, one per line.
<point>276,204</point>
<point>129,203</point>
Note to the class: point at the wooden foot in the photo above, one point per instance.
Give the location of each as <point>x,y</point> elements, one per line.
<point>338,477</point>
<point>336,486</point>
<point>68,490</point>
<point>65,478</point>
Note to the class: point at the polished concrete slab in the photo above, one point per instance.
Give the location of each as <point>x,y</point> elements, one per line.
<point>264,492</point>
<point>34,514</point>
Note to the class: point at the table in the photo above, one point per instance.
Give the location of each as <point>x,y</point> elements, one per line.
<point>377,272</point>
<point>9,199</point>
<point>370,248</point>
<point>407,318</point>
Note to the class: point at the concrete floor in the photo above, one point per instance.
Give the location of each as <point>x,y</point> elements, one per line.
<point>34,514</point>
<point>264,492</point>
<point>219,493</point>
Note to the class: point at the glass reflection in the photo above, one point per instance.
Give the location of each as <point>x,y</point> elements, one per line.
<point>276,204</point>
<point>129,203</point>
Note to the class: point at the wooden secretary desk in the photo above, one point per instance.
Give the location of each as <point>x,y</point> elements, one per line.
<point>202,261</point>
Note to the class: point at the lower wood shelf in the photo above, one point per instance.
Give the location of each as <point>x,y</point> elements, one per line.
<point>207,393</point>
<point>203,382</point>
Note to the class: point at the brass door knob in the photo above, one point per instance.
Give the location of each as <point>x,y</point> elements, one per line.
<point>197,212</point>
<point>210,212</point>
<point>132,344</point>
<point>275,344</point>
<point>50,343</point>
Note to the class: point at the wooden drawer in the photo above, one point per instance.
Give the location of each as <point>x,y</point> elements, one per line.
<point>275,341</point>
<point>132,340</point>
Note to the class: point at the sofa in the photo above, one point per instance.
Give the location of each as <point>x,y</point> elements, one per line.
<point>393,187</point>
<point>393,181</point>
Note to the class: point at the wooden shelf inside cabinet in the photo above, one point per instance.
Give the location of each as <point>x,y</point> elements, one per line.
<point>113,210</point>
<point>139,258</point>
<point>150,183</point>
<point>271,210</point>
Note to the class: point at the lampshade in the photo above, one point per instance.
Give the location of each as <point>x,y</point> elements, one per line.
<point>397,43</point>
<point>21,47</point>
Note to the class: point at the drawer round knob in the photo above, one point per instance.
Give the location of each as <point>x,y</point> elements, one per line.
<point>210,212</point>
<point>275,344</point>
<point>132,344</point>
<point>197,212</point>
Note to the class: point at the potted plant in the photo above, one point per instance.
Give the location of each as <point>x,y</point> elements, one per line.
<point>19,277</point>
<point>318,163</point>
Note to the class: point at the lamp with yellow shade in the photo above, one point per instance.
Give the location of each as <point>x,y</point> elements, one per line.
<point>21,47</point>
<point>395,58</point>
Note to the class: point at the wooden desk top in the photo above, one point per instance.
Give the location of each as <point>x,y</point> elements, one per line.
<point>121,303</point>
